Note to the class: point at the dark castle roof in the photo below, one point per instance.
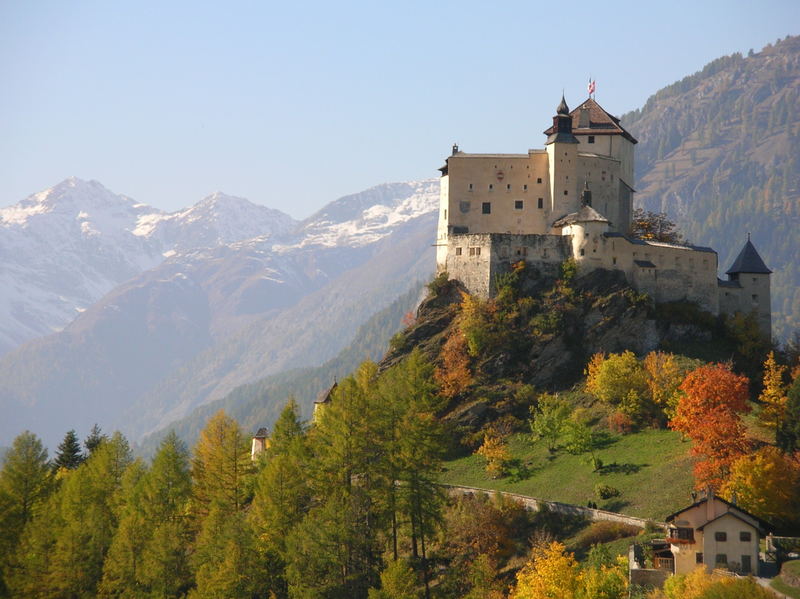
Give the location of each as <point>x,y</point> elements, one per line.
<point>748,261</point>
<point>600,122</point>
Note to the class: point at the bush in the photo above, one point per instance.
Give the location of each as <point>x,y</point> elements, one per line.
<point>620,423</point>
<point>438,284</point>
<point>605,491</point>
<point>604,531</point>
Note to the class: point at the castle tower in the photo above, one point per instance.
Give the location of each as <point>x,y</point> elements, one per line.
<point>562,152</point>
<point>751,278</point>
<point>601,134</point>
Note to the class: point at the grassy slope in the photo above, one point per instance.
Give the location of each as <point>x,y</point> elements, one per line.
<point>660,486</point>
<point>779,584</point>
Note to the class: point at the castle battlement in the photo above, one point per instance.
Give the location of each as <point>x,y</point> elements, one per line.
<point>574,199</point>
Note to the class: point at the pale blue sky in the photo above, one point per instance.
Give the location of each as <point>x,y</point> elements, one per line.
<point>295,104</point>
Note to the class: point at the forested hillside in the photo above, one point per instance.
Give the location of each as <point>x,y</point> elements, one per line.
<point>719,151</point>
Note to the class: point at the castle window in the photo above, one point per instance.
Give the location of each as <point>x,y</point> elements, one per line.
<point>755,297</point>
<point>470,186</point>
<point>486,207</point>
<point>565,192</point>
<point>491,186</point>
<point>583,252</point>
<point>754,279</point>
<point>508,186</point>
<point>517,204</point>
<point>525,187</point>
<point>614,260</point>
<point>744,536</point>
<point>445,212</point>
<point>522,251</point>
<point>721,536</point>
<point>474,251</point>
<point>538,179</point>
<point>591,139</point>
<point>540,203</point>
<point>458,251</point>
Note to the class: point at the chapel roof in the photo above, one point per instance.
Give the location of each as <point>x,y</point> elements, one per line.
<point>326,394</point>
<point>600,122</point>
<point>261,433</point>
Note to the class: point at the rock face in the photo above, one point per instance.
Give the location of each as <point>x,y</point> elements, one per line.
<point>604,315</point>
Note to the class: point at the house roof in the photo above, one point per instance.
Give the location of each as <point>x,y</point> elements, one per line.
<point>600,122</point>
<point>748,261</point>
<point>585,215</point>
<point>325,394</point>
<point>734,515</point>
<point>699,502</point>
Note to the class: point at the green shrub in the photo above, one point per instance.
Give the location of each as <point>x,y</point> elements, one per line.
<point>605,491</point>
<point>604,531</point>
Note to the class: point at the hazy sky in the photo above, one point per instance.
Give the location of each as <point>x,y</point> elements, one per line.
<point>295,104</point>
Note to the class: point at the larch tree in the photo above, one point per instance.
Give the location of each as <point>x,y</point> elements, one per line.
<point>26,482</point>
<point>773,395</point>
<point>787,435</point>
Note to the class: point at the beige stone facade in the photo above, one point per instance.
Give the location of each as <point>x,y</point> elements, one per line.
<point>496,209</point>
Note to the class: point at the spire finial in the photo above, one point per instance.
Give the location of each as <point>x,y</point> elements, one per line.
<point>748,236</point>
<point>562,107</point>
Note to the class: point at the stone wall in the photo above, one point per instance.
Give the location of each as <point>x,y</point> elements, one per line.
<point>534,504</point>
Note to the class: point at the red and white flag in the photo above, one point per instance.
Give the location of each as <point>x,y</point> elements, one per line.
<point>592,86</point>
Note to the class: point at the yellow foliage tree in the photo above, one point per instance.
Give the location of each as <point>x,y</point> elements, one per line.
<point>605,582</point>
<point>664,376</point>
<point>454,374</point>
<point>767,484</point>
<point>495,451</point>
<point>552,573</point>
<point>773,396</point>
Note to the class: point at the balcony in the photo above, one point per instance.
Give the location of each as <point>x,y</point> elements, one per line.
<point>680,536</point>
<point>664,563</point>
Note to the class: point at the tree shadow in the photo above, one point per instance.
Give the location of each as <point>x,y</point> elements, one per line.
<point>615,505</point>
<point>519,470</point>
<point>626,468</point>
<point>603,439</point>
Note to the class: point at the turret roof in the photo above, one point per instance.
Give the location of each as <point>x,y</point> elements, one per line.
<point>600,122</point>
<point>748,261</point>
<point>584,215</point>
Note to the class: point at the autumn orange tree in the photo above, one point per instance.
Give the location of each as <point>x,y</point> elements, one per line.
<point>708,413</point>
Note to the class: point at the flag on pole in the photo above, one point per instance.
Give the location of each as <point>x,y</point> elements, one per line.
<point>592,86</point>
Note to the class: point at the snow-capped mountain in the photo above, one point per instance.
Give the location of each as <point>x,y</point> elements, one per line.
<point>62,249</point>
<point>204,319</point>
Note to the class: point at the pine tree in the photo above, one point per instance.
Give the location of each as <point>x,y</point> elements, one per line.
<point>95,438</point>
<point>69,454</point>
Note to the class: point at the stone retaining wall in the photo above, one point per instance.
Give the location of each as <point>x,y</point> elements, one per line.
<point>533,503</point>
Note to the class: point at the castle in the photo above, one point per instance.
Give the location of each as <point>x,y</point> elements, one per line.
<point>574,199</point>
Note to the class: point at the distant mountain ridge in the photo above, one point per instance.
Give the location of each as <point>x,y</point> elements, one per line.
<point>719,151</point>
<point>63,248</point>
<point>206,320</point>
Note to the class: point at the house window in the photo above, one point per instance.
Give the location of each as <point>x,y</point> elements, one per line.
<point>525,187</point>
<point>721,536</point>
<point>722,559</point>
<point>458,251</point>
<point>540,203</point>
<point>591,139</point>
<point>517,204</point>
<point>538,179</point>
<point>744,536</point>
<point>486,207</point>
<point>698,557</point>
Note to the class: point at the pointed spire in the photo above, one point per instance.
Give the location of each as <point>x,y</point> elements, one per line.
<point>562,107</point>
<point>748,261</point>
<point>586,195</point>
